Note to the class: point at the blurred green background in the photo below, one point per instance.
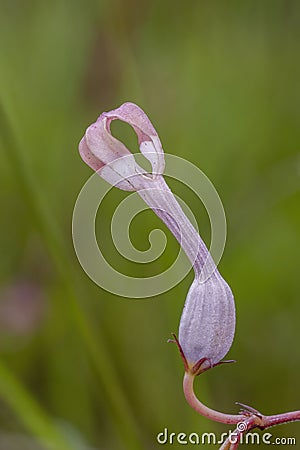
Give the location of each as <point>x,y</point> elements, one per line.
<point>81,368</point>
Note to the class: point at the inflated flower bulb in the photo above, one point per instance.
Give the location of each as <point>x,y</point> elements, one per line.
<point>208,321</point>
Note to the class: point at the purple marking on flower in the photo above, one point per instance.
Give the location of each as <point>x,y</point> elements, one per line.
<point>208,320</point>
<point>88,157</point>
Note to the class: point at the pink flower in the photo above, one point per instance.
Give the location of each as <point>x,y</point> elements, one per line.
<point>208,320</point>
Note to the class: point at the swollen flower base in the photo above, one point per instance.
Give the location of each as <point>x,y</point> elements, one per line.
<point>207,323</point>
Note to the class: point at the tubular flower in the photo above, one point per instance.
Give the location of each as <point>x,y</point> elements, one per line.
<point>208,320</point>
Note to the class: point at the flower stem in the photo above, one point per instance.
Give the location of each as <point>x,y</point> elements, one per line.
<point>188,389</point>
<point>278,419</point>
<point>250,418</point>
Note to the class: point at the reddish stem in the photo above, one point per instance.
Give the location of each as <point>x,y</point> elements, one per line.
<point>188,389</point>
<point>259,420</point>
<point>233,441</point>
<point>277,419</point>
<point>248,418</point>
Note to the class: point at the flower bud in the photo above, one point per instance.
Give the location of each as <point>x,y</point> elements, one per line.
<point>207,323</point>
